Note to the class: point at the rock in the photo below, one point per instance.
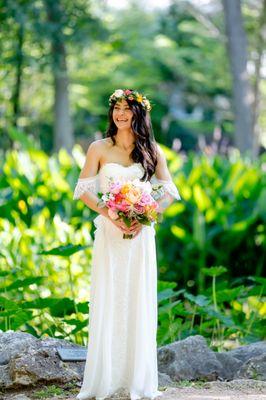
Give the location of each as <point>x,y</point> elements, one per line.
<point>12,343</point>
<point>164,380</point>
<point>29,360</point>
<point>254,368</point>
<point>253,360</point>
<point>245,353</point>
<point>5,380</point>
<point>4,357</point>
<point>229,364</point>
<point>189,359</point>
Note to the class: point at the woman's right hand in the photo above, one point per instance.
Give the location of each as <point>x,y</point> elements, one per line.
<point>122,226</point>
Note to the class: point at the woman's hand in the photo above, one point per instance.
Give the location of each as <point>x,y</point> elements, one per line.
<point>134,228</point>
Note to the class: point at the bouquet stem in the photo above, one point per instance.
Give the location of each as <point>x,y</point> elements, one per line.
<point>127,236</point>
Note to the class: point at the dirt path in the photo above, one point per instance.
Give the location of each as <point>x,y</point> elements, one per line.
<point>233,390</point>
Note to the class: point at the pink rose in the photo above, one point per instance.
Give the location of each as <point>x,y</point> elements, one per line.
<point>139,209</point>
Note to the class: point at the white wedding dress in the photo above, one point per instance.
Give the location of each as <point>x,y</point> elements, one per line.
<point>122,351</point>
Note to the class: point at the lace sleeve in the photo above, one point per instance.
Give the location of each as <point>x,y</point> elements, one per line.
<point>90,184</point>
<point>164,187</point>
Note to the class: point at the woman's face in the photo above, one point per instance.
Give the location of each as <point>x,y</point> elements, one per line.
<point>122,115</point>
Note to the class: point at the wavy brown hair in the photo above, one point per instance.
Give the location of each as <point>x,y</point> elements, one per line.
<point>145,150</point>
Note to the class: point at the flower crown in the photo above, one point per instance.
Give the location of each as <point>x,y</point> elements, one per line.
<point>129,94</point>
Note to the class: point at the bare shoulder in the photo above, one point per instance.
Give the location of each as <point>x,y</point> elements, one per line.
<point>94,154</point>
<point>98,147</point>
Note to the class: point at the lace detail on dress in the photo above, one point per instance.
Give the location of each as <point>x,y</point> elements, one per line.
<point>165,187</point>
<point>90,184</point>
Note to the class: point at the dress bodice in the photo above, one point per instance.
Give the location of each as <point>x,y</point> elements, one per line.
<point>120,172</point>
<point>113,170</point>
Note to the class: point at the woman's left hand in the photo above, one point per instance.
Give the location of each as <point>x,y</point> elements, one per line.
<point>134,228</point>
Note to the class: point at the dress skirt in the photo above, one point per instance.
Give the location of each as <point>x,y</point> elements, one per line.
<point>122,348</point>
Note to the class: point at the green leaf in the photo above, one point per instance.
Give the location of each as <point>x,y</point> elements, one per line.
<point>64,251</point>
<point>214,271</point>
<point>200,299</point>
<point>20,283</point>
<point>168,294</point>
<point>229,294</point>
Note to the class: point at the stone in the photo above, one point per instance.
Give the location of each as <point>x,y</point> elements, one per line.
<point>29,360</point>
<point>164,380</point>
<point>189,359</point>
<point>245,353</point>
<point>254,368</point>
<point>229,364</point>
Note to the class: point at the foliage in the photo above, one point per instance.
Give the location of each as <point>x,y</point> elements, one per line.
<point>220,220</point>
<point>211,244</point>
<point>176,56</point>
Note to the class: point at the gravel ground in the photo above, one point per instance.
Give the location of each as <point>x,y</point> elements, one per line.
<point>233,390</point>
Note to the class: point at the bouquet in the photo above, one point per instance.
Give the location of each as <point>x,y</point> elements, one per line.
<point>130,200</point>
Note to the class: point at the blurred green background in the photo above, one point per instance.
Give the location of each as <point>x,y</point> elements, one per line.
<point>60,62</point>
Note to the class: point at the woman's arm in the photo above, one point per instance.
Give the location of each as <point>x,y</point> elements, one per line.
<point>164,178</point>
<point>88,185</point>
<point>89,179</point>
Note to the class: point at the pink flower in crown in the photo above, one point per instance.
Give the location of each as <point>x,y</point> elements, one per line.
<point>115,187</point>
<point>127,92</point>
<point>130,98</point>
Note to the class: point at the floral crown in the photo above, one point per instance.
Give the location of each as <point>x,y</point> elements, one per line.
<point>129,94</point>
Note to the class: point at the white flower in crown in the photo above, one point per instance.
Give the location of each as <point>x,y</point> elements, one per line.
<point>118,93</point>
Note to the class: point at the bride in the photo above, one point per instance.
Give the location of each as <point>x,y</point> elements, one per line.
<point>122,347</point>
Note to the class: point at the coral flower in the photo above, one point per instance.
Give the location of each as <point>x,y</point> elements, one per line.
<point>127,92</point>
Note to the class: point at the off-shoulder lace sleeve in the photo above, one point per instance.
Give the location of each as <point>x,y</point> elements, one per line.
<point>164,188</point>
<point>90,184</point>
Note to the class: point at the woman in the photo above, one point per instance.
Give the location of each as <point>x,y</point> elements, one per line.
<point>123,299</point>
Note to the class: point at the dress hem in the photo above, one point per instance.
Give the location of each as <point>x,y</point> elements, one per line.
<point>132,396</point>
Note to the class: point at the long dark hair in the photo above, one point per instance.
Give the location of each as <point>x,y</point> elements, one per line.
<point>145,151</point>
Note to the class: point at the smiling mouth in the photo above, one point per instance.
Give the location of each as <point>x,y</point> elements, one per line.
<point>122,120</point>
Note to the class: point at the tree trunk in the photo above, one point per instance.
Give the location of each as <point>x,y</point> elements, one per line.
<point>242,95</point>
<point>17,86</point>
<point>63,131</point>
<point>258,62</point>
